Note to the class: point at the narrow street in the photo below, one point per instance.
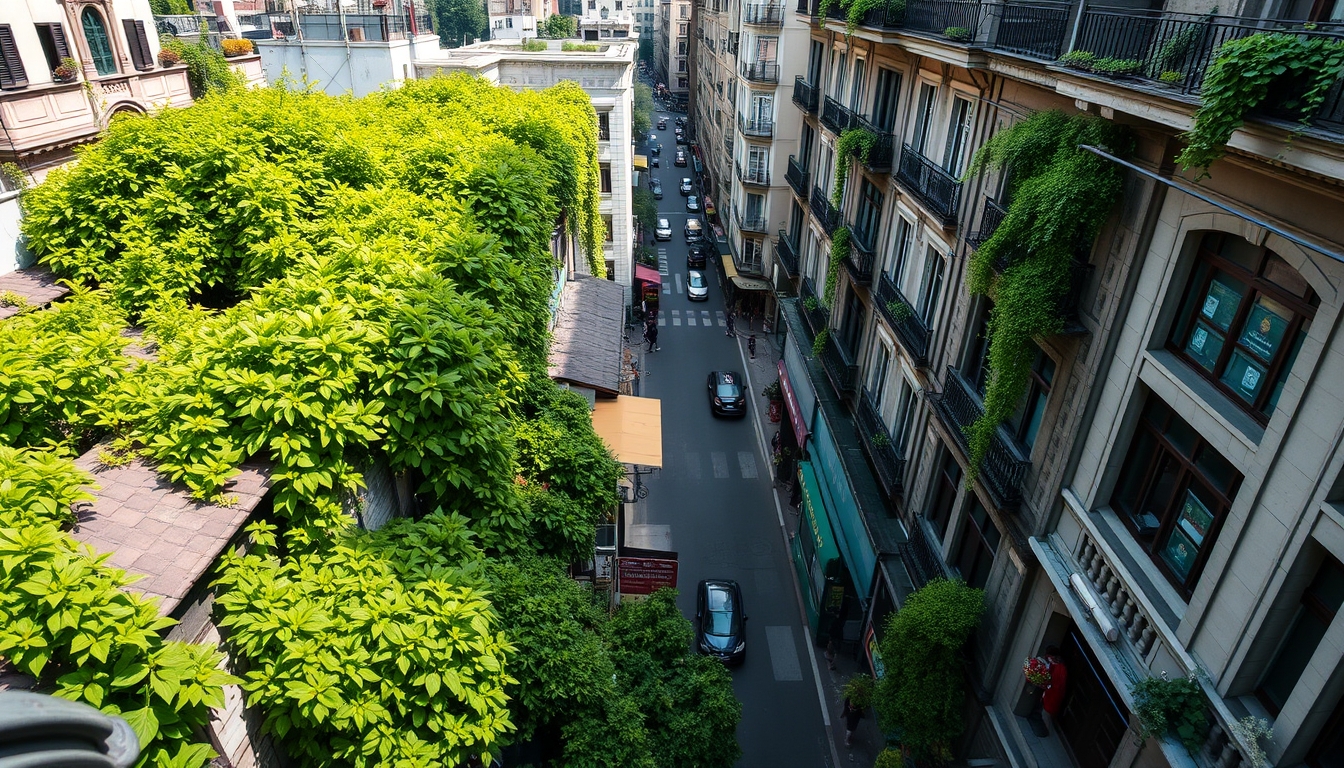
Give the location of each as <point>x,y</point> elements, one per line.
<point>714,496</point>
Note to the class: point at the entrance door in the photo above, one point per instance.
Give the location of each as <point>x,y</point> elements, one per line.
<point>1093,718</point>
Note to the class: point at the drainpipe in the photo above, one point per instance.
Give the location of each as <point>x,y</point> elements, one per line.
<point>1077,25</point>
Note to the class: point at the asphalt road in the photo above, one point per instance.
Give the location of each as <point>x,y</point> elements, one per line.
<point>714,496</point>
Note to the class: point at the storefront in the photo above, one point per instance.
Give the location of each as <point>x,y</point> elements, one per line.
<point>821,571</point>
<point>856,547</point>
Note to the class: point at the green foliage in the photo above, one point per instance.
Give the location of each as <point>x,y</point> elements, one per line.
<point>819,341</point>
<point>839,252</point>
<point>646,208</point>
<point>889,758</point>
<point>171,7</point>
<point>1060,196</point>
<point>1251,730</point>
<point>460,22</point>
<point>900,311</point>
<point>859,691</point>
<point>533,45</point>
<point>1113,67</point>
<point>773,391</point>
<point>811,304</point>
<point>958,34</point>
<point>372,652</point>
<point>1171,77</point>
<point>569,47</point>
<point>853,144</point>
<point>641,116</point>
<point>207,70</point>
<point>66,620</point>
<point>880,440</point>
<point>1173,52</point>
<point>1285,72</point>
<point>1079,60</point>
<point>559,26</point>
<point>921,696</point>
<point>856,9</point>
<point>1176,707</point>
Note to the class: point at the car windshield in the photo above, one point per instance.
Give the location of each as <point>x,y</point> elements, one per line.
<point>695,280</point>
<point>728,390</point>
<point>722,623</point>
<point>662,224</point>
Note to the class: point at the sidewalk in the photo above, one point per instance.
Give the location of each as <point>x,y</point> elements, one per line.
<point>868,741</point>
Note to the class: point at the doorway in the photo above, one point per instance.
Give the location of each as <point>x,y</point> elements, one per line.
<point>1093,718</point>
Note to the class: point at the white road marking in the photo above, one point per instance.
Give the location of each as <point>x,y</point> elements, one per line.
<point>722,323</point>
<point>720,460</point>
<point>667,289</point>
<point>783,654</point>
<point>690,319</point>
<point>747,463</point>
<point>662,321</point>
<point>680,289</point>
<point>704,317</point>
<point>676,321</point>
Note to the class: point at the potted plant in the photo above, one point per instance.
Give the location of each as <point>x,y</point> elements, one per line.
<point>169,58</point>
<point>775,394</point>
<point>1117,69</point>
<point>958,34</point>
<point>235,47</point>
<point>67,71</point>
<point>1082,60</point>
<point>1171,77</point>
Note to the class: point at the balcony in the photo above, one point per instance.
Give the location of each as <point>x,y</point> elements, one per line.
<point>805,95</point>
<point>1004,467</point>
<point>937,189</point>
<point>878,444</point>
<point>1037,30</point>
<point>922,555</point>
<point>752,223</point>
<point>808,7</point>
<point>836,116</point>
<point>836,12</point>
<point>859,262</point>
<point>840,366</point>
<point>763,14</point>
<point>827,215</point>
<point>728,143</point>
<point>936,16</point>
<point>759,176</point>
<point>797,177</point>
<point>900,314</point>
<point>757,127</point>
<point>991,216</point>
<point>883,153</point>
<point>786,253</point>
<point>761,71</point>
<point>813,312</point>
<point>888,15</point>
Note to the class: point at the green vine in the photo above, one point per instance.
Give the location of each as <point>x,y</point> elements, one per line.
<point>839,252</point>
<point>1175,707</point>
<point>1059,197</point>
<point>853,144</point>
<point>819,341</point>
<point>823,9</point>
<point>900,311</point>
<point>1279,71</point>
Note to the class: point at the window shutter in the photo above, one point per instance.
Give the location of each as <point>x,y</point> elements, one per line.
<point>11,66</point>
<point>58,37</point>
<point>142,40</point>
<point>138,43</point>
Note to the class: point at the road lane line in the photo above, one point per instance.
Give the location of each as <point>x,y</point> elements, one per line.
<point>720,460</point>
<point>679,286</point>
<point>690,320</point>
<point>783,654</point>
<point>722,323</point>
<point>676,321</point>
<point>747,463</point>
<point>662,321</point>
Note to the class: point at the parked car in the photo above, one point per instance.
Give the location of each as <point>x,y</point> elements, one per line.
<point>693,204</point>
<point>698,256</point>
<point>681,122</point>
<point>656,149</point>
<point>686,185</point>
<point>726,397</point>
<point>662,123</point>
<point>653,137</point>
<point>720,623</point>
<point>695,231</point>
<point>697,288</point>
<point>653,161</point>
<point>680,162</point>
<point>681,137</point>
<point>656,187</point>
<point>663,231</point>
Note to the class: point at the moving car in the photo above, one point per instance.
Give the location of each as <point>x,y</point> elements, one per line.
<point>681,137</point>
<point>695,231</point>
<point>663,231</point>
<point>656,187</point>
<point>697,288</point>
<point>681,159</point>
<point>686,186</point>
<point>720,624</point>
<point>726,397</point>
<point>698,255</point>
<point>653,161</point>
<point>656,149</point>
<point>693,204</point>
<point>662,123</point>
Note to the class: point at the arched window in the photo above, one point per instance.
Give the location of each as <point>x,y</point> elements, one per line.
<point>100,46</point>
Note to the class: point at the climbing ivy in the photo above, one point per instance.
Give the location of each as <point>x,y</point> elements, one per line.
<point>839,252</point>
<point>1059,195</point>
<point>853,144</point>
<point>1289,72</point>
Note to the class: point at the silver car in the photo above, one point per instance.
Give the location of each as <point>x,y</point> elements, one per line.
<point>697,288</point>
<point>663,231</point>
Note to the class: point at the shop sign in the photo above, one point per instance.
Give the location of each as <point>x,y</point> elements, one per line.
<point>791,405</point>
<point>645,575</point>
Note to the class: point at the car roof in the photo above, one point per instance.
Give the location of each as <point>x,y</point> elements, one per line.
<point>662,222</point>
<point>696,222</point>
<point>685,179</point>
<point>727,377</point>
<point>720,586</point>
<point>695,272</point>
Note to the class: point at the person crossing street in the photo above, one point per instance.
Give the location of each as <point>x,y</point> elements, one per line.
<point>651,336</point>
<point>732,329</point>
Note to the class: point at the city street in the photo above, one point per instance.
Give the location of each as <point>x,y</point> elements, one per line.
<point>713,501</point>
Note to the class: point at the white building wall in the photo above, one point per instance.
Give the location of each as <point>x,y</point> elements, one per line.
<point>338,67</point>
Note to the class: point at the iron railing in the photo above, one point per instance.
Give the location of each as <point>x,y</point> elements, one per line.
<point>805,95</point>
<point>859,263</point>
<point>840,366</point>
<point>1004,468</point>
<point>185,25</point>
<point>817,316</point>
<point>883,152</point>
<point>991,216</point>
<point>761,71</point>
<point>900,313</point>
<point>939,16</point>
<point>923,558</point>
<point>939,190</point>
<point>786,253</point>
<point>754,223</point>
<point>836,116</point>
<point>889,15</point>
<point>366,27</point>
<point>760,175</point>
<point>797,177</point>
<point>756,126</point>
<point>836,12</point>
<point>1036,29</point>
<point>827,215</point>
<point>763,14</point>
<point>887,461</point>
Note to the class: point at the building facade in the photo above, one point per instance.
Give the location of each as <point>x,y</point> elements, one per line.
<point>607,20</point>
<point>644,19</point>
<point>671,47</point>
<point>1166,499</point>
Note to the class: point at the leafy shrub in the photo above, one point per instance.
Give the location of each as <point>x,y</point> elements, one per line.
<point>67,69</point>
<point>853,144</point>
<point>169,58</point>
<point>533,45</point>
<point>171,7</point>
<point>236,47</point>
<point>1113,67</point>
<point>559,26</point>
<point>859,691</point>
<point>1171,77</point>
<point>839,252</point>
<point>207,71</point>
<point>1175,707</point>
<point>958,34</point>
<point>568,47</point>
<point>1079,60</point>
<point>819,342</point>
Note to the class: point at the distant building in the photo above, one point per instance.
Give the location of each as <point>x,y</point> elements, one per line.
<point>518,19</point>
<point>604,20</point>
<point>671,46</point>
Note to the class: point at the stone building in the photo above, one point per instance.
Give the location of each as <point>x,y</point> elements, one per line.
<point>1167,498</point>
<point>607,20</point>
<point>671,47</point>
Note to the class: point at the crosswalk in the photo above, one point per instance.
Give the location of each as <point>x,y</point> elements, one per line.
<point>662,271</point>
<point>692,318</point>
<point>722,465</point>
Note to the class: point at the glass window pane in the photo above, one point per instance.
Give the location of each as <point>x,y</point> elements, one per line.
<point>1241,252</point>
<point>1156,503</point>
<point>95,34</point>
<point>1045,367</point>
<point>1182,436</point>
<point>1279,273</point>
<point>1127,488</point>
<point>1220,303</point>
<point>1265,326</point>
<point>1195,519</point>
<point>1298,646</point>
<point>1244,375</point>
<point>1204,346</point>
<point>1220,473</point>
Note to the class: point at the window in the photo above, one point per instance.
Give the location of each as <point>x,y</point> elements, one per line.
<point>977,351</point>
<point>683,12</point>
<point>604,125</point>
<point>141,56</point>
<point>681,65</point>
<point>100,47</point>
<point>870,213</point>
<point>885,100</point>
<point>931,286</point>
<point>945,485</point>
<point>607,225</point>
<point>54,44</point>
<point>877,379</point>
<point>755,206</point>
<point>906,409</point>
<point>856,89</point>
<point>928,94</point>
<point>958,136</point>
<point>604,176</point>
<point>1025,422</point>
<point>1329,746</point>
<point>1173,492</point>
<point>1319,604</point>
<point>12,74</point>
<point>758,162</point>
<point>508,23</point>
<point>681,30</point>
<point>979,544</point>
<point>751,253</point>
<point>681,48</point>
<point>814,59</point>
<point>683,82</point>
<point>1245,315</point>
<point>841,76</point>
<point>905,236</point>
<point>592,5</point>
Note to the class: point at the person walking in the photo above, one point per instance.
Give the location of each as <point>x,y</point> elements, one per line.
<point>651,336</point>
<point>732,327</point>
<point>751,346</point>
<point>852,715</point>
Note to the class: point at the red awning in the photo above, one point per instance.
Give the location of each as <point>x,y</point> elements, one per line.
<point>648,274</point>
<point>791,405</point>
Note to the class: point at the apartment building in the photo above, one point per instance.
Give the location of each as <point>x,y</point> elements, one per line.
<point>517,19</point>
<point>672,47</point>
<point>607,19</point>
<point>1168,498</point>
<point>644,19</point>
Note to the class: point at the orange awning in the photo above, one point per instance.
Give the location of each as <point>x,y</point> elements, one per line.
<point>632,427</point>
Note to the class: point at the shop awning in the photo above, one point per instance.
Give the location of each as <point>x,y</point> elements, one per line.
<point>745,283</point>
<point>791,405</point>
<point>632,427</point>
<point>641,161</point>
<point>648,274</point>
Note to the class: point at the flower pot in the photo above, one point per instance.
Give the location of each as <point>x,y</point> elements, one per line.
<point>776,411</point>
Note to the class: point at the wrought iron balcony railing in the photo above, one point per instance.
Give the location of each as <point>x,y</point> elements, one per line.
<point>922,555</point>
<point>836,12</point>
<point>836,116</point>
<point>900,313</point>
<point>878,443</point>
<point>761,71</point>
<point>991,216</point>
<point>840,366</point>
<point>753,223</point>
<point>797,177</point>
<point>929,182</point>
<point>805,95</point>
<point>939,16</point>
<point>814,312</point>
<point>763,14</point>
<point>786,253</point>
<point>756,126</point>
<point>883,152</point>
<point>827,215</point>
<point>1004,468</point>
<point>859,263</point>
<point>1037,29</point>
<point>759,176</point>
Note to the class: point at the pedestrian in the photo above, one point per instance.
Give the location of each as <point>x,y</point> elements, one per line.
<point>834,638</point>
<point>1052,700</point>
<point>732,330</point>
<point>651,336</point>
<point>751,346</point>
<point>852,715</point>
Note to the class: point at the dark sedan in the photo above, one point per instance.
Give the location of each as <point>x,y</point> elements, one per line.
<point>698,255</point>
<point>720,624</point>
<point>726,397</point>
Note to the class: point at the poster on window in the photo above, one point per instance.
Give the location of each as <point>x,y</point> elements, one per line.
<point>1221,303</point>
<point>1264,331</point>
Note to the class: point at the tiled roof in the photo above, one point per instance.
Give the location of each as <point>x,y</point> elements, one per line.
<point>36,285</point>
<point>586,341</point>
<point>155,529</point>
